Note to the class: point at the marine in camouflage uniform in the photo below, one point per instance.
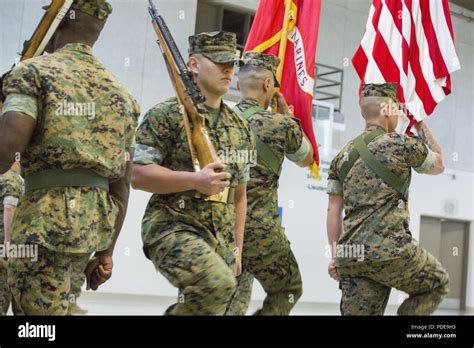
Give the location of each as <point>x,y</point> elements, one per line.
<point>267,254</point>
<point>377,218</point>
<point>84,123</point>
<point>191,240</point>
<point>11,188</point>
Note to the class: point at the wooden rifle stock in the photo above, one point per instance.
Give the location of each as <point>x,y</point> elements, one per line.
<point>46,29</point>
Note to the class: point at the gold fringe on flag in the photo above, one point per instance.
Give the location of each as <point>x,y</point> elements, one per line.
<point>314,171</point>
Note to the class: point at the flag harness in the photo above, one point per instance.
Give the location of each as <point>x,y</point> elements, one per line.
<point>361,150</point>
<point>263,150</point>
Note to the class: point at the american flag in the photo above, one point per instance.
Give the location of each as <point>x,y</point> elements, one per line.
<point>410,42</point>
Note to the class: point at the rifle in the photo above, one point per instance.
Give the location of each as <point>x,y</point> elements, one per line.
<point>188,94</point>
<point>43,33</point>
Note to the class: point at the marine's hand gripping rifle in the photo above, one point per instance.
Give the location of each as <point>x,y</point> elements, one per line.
<point>188,94</point>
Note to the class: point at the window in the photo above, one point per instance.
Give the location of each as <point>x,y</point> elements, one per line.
<point>323,119</point>
<point>212,17</point>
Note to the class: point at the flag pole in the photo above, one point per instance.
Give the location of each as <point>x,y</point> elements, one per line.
<point>284,39</point>
<point>314,170</point>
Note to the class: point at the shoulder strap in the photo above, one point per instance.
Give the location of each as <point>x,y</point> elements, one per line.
<point>354,155</point>
<point>249,112</point>
<point>380,169</point>
<point>263,150</point>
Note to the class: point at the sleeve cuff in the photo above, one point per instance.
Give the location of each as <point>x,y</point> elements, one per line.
<point>302,152</point>
<point>10,200</point>
<point>428,164</point>
<point>334,187</point>
<point>23,103</point>
<point>145,154</point>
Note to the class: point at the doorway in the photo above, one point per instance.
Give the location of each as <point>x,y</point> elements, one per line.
<point>448,241</point>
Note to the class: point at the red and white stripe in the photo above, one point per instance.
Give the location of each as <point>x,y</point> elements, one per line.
<point>410,42</point>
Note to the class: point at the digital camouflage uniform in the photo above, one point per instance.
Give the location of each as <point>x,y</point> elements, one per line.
<point>11,188</point>
<point>66,223</point>
<point>267,255</point>
<point>78,278</point>
<point>189,240</point>
<point>377,218</point>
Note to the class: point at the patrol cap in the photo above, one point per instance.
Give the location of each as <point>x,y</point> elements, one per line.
<point>218,46</point>
<point>100,9</point>
<point>388,90</point>
<point>265,61</point>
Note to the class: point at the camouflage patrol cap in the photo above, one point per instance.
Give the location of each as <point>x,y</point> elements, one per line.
<point>265,61</point>
<point>380,90</point>
<point>218,46</point>
<point>100,9</point>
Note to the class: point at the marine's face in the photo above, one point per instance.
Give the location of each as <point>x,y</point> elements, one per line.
<point>214,77</point>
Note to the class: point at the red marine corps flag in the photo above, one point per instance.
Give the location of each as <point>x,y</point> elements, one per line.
<point>410,42</point>
<point>289,29</point>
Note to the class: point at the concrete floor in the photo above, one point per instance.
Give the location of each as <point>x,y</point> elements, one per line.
<point>118,304</point>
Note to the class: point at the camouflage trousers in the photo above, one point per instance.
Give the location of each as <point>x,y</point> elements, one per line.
<point>78,277</point>
<point>42,286</point>
<point>5,295</point>
<point>205,281</point>
<point>279,276</point>
<point>366,287</point>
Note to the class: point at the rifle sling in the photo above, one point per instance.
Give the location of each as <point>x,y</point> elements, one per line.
<point>263,150</point>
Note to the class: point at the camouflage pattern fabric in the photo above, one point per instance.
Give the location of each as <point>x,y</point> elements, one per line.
<point>366,286</point>
<point>100,9</point>
<point>42,286</point>
<point>78,277</point>
<point>376,222</point>
<point>267,254</point>
<point>218,46</point>
<point>386,234</point>
<point>388,90</point>
<point>85,119</point>
<point>205,281</point>
<point>5,296</point>
<point>240,301</point>
<point>161,140</point>
<point>265,61</point>
<point>11,188</point>
<point>280,278</point>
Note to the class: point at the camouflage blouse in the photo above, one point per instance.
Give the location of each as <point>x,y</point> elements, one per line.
<point>85,118</point>
<point>284,137</point>
<point>161,140</point>
<point>376,216</point>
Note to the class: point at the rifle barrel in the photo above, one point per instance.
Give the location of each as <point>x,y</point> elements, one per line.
<point>193,91</point>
